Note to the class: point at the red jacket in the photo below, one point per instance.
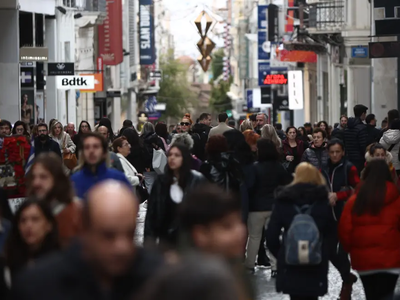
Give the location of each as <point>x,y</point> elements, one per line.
<point>373,242</point>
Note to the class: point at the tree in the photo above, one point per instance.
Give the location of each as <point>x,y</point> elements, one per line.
<point>174,87</point>
<point>219,101</point>
<point>217,63</point>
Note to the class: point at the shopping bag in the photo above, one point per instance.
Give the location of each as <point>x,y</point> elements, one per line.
<point>159,161</point>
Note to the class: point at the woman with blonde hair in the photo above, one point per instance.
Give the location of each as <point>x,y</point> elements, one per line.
<point>58,134</point>
<point>268,132</point>
<point>246,125</point>
<point>307,195</point>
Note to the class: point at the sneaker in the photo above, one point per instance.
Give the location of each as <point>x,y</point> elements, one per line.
<point>274,273</point>
<point>347,288</point>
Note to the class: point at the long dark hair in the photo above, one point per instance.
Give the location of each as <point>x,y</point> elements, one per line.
<point>80,127</point>
<point>133,138</point>
<point>237,144</point>
<point>267,150</point>
<point>62,190</point>
<point>19,123</point>
<point>185,169</point>
<point>372,192</point>
<point>16,250</point>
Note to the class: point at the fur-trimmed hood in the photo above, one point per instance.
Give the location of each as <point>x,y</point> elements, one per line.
<point>388,158</point>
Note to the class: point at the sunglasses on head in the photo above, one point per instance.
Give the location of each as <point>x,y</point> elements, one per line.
<point>185,123</point>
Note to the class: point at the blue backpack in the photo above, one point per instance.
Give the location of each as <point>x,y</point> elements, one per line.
<point>303,242</point>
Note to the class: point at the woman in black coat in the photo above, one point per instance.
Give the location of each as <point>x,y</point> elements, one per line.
<point>309,188</point>
<point>167,193</point>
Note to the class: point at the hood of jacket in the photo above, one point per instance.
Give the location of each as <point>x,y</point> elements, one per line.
<point>353,122</point>
<point>302,193</point>
<point>388,158</point>
<point>200,128</point>
<point>391,136</point>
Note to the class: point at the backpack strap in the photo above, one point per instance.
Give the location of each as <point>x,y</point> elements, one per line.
<point>391,147</point>
<point>305,209</point>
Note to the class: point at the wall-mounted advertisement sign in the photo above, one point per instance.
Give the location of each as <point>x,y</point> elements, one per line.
<point>280,79</point>
<point>262,17</point>
<point>86,82</point>
<point>31,54</point>
<point>146,32</point>
<point>110,34</point>
<point>55,69</point>
<point>264,47</point>
<point>249,98</point>
<point>295,86</point>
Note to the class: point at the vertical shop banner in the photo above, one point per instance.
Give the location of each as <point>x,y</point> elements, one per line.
<point>263,46</point>
<point>289,16</point>
<point>249,98</point>
<point>110,35</point>
<point>262,17</point>
<point>296,97</point>
<point>263,70</point>
<point>146,32</point>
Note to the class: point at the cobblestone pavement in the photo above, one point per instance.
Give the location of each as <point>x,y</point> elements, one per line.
<point>265,285</point>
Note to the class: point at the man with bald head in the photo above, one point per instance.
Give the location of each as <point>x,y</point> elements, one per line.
<point>104,263</point>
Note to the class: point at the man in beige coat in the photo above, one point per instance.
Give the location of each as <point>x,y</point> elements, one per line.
<point>222,126</point>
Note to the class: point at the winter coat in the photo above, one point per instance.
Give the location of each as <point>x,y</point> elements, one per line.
<point>200,137</point>
<point>48,146</point>
<point>373,133</point>
<point>220,129</point>
<point>158,223</point>
<point>66,275</point>
<point>288,151</point>
<point>65,142</point>
<point>373,242</point>
<point>341,179</point>
<point>306,281</point>
<point>338,133</point>
<point>355,141</point>
<point>84,179</point>
<point>137,158</point>
<point>129,171</point>
<point>224,170</point>
<point>318,157</point>
<point>268,175</point>
<point>389,138</point>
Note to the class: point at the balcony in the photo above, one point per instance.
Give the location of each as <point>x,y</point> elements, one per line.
<point>72,4</point>
<point>326,16</point>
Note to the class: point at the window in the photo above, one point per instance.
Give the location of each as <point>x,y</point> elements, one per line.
<point>379,13</point>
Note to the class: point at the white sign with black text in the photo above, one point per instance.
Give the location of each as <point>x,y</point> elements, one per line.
<point>295,86</point>
<point>75,82</point>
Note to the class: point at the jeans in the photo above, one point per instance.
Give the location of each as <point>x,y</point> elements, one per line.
<point>379,286</point>
<point>257,222</point>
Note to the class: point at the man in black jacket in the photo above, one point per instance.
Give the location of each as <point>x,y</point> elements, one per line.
<point>104,263</point>
<point>44,143</point>
<point>200,136</point>
<point>356,137</point>
<point>374,134</point>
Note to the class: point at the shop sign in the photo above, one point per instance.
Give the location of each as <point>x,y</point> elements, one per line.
<point>55,69</point>
<point>98,83</point>
<point>295,87</point>
<point>31,54</point>
<point>146,32</point>
<point>86,82</point>
<point>279,79</point>
<point>262,17</point>
<point>359,52</point>
<point>110,34</point>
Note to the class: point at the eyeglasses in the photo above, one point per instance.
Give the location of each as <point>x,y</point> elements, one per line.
<point>185,123</point>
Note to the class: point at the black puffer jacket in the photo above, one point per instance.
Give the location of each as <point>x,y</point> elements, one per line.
<point>158,224</point>
<point>306,281</point>
<point>355,140</point>
<point>224,170</point>
<point>268,175</point>
<point>317,156</point>
<point>200,136</point>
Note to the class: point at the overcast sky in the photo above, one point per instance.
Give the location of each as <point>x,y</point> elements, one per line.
<point>183,13</point>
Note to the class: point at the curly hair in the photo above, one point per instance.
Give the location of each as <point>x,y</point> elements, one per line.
<point>183,138</point>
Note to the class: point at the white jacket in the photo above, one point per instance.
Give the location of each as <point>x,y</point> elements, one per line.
<point>392,137</point>
<point>129,170</point>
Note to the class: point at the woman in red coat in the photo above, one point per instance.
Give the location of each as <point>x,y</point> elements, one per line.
<point>369,230</point>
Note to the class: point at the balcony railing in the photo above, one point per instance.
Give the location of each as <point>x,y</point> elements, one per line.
<point>326,15</point>
<point>77,4</point>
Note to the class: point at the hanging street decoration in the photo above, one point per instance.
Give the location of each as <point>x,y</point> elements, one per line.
<point>205,45</point>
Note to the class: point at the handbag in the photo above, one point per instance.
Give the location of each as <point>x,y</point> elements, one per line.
<point>70,160</point>
<point>159,161</point>
<point>142,193</point>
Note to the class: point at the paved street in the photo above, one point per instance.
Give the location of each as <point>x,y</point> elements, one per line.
<point>266,286</point>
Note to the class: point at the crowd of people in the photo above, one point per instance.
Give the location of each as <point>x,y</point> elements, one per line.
<point>220,202</point>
